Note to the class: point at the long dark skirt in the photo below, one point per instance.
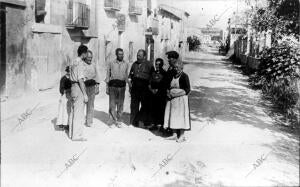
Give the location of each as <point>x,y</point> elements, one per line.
<point>158,104</point>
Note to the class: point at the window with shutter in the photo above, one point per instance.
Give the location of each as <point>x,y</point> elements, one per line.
<point>40,11</point>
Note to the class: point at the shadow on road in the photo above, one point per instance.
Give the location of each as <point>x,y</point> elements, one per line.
<point>103,117</point>
<point>56,127</point>
<point>233,105</point>
<point>234,102</point>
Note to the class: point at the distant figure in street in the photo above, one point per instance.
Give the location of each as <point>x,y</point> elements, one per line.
<point>158,94</point>
<point>92,82</point>
<point>140,94</point>
<point>78,94</point>
<point>116,78</point>
<point>65,100</point>
<point>177,114</point>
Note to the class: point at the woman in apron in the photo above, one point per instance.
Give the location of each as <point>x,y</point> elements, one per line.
<point>177,112</point>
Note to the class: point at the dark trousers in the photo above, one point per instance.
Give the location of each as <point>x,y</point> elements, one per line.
<point>116,102</point>
<point>140,97</point>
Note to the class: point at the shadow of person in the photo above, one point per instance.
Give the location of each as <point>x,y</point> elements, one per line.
<point>103,117</point>
<point>161,132</point>
<point>126,118</point>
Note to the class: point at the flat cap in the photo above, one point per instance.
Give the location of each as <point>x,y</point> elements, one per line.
<point>172,54</point>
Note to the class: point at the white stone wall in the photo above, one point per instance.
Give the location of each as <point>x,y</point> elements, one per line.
<point>108,33</point>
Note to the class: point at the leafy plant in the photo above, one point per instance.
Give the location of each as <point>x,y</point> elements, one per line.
<point>277,75</point>
<point>279,64</point>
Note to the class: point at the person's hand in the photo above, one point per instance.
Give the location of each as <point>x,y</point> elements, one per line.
<point>107,89</point>
<point>172,95</point>
<point>61,98</point>
<point>86,99</point>
<point>169,94</point>
<point>97,89</point>
<point>129,86</point>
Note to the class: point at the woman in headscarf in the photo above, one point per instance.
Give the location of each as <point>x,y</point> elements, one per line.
<point>177,114</point>
<point>158,94</point>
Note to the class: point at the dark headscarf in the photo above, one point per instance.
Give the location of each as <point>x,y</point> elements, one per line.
<point>172,54</point>
<point>67,69</point>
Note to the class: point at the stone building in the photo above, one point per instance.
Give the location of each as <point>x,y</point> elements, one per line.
<point>121,24</point>
<point>38,40</point>
<point>173,30</point>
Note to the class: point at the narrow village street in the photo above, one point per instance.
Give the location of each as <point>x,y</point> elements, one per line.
<point>233,142</point>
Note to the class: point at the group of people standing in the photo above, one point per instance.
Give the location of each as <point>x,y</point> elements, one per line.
<point>80,85</point>
<point>159,98</point>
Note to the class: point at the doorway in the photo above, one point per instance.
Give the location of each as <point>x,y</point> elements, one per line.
<point>130,55</point>
<point>149,47</point>
<point>2,49</point>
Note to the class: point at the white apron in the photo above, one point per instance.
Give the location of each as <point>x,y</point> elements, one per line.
<point>177,110</point>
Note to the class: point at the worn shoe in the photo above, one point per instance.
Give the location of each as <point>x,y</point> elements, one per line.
<point>118,124</point>
<point>181,139</point>
<point>153,128</point>
<point>66,127</point>
<point>80,139</point>
<point>130,126</point>
<point>173,137</point>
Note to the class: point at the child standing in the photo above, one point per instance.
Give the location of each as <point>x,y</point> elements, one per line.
<point>64,102</point>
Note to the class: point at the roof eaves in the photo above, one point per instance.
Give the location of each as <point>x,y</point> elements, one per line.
<point>170,11</point>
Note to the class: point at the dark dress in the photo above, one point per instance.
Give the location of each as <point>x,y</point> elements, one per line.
<point>158,100</point>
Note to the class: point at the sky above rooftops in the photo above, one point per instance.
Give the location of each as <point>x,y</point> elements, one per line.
<point>202,11</point>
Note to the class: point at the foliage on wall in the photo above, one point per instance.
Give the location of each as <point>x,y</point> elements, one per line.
<point>279,64</point>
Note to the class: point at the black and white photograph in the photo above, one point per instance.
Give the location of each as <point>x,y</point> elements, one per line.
<point>149,93</point>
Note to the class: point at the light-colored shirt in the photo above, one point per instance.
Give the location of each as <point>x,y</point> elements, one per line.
<point>91,72</point>
<point>117,70</point>
<point>77,70</point>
